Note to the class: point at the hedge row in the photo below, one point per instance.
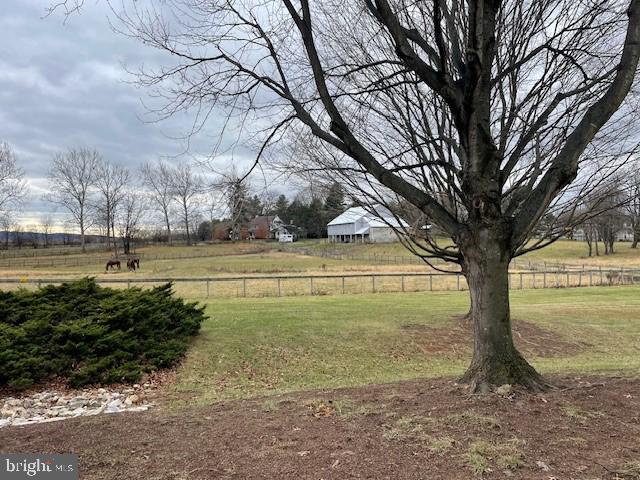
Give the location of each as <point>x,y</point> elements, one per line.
<point>90,334</point>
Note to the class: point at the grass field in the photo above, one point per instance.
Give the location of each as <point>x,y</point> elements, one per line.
<point>268,258</point>
<point>261,346</point>
<point>570,252</point>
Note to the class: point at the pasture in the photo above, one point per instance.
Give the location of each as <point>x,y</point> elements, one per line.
<point>569,252</point>
<point>252,347</point>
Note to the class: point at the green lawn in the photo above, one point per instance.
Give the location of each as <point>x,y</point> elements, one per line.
<point>255,347</point>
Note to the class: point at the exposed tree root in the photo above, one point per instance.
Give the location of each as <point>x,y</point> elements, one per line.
<point>486,374</point>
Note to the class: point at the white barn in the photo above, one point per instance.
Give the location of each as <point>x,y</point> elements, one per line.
<point>358,225</point>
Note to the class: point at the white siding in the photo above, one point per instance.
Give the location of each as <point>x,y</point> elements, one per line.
<point>344,229</point>
<point>382,234</point>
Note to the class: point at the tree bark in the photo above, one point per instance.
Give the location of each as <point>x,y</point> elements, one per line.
<point>167,221</point>
<point>496,361</point>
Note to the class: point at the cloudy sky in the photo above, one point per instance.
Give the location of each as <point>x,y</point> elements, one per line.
<point>64,84</point>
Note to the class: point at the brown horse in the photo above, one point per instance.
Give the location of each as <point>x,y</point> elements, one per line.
<point>112,264</point>
<point>133,263</point>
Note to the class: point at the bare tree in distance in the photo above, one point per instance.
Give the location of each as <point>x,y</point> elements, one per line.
<point>111,184</point>
<point>632,205</point>
<point>13,188</point>
<point>158,178</point>
<point>187,187</point>
<point>234,191</point>
<point>131,208</point>
<point>46,226</point>
<point>72,181</point>
<point>482,114</point>
<point>7,222</point>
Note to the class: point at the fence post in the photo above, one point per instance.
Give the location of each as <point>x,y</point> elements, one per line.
<point>207,288</point>
<point>244,287</point>
<point>544,279</point>
<point>373,284</point>
<point>521,285</point>
<point>402,282</point>
<point>279,291</point>
<point>567,279</point>
<point>431,282</point>
<point>311,285</point>
<point>533,279</point>
<point>590,278</point>
<point>458,281</point>
<point>343,285</point>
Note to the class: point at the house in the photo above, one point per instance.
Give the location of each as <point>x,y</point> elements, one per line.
<point>623,234</point>
<point>360,225</point>
<point>264,227</point>
<point>288,233</point>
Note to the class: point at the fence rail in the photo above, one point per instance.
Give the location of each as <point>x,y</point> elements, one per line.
<point>516,263</point>
<point>335,284</point>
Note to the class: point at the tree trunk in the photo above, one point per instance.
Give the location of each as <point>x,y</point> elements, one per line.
<point>166,219</point>
<point>186,224</point>
<point>82,236</point>
<point>495,359</point>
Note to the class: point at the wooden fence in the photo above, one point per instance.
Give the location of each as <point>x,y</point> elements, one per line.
<point>281,286</point>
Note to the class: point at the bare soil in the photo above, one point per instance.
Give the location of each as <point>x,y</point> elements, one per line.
<point>588,429</point>
<point>530,339</point>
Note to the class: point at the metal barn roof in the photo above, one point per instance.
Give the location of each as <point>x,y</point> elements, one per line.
<point>354,214</point>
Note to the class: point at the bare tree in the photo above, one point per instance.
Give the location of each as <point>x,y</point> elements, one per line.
<point>13,188</point>
<point>111,183</point>
<point>187,188</point>
<point>129,215</point>
<point>482,114</point>
<point>234,192</point>
<point>632,205</point>
<point>158,178</point>
<point>6,222</point>
<point>72,180</point>
<point>18,235</point>
<point>46,225</point>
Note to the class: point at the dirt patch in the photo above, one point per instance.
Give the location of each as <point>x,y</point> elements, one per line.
<point>529,338</point>
<point>409,430</point>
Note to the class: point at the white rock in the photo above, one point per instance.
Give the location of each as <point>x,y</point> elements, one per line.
<point>5,422</point>
<point>55,419</point>
<point>77,402</point>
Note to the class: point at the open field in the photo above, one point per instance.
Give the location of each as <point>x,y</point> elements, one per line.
<point>265,346</point>
<point>568,252</point>
<point>272,258</point>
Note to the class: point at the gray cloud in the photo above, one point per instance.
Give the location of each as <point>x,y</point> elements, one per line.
<point>63,84</point>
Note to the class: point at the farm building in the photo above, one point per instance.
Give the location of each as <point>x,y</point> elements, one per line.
<point>359,225</point>
<point>264,227</point>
